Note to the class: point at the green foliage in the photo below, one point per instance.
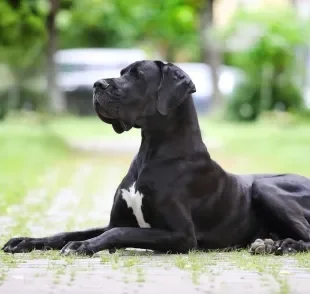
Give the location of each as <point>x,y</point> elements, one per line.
<point>167,25</point>
<point>22,29</point>
<point>246,103</point>
<point>171,24</point>
<point>105,24</point>
<point>270,37</point>
<point>164,24</point>
<point>22,39</point>
<point>169,28</point>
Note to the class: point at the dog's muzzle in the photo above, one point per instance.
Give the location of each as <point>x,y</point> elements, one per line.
<point>107,106</point>
<point>104,102</point>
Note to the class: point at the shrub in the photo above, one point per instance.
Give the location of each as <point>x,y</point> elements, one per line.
<point>267,54</point>
<point>247,102</point>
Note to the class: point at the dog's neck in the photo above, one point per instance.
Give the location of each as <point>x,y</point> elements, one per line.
<point>177,136</point>
<point>179,131</point>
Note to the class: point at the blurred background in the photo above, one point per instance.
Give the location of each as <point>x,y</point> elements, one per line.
<point>249,60</point>
<point>249,56</point>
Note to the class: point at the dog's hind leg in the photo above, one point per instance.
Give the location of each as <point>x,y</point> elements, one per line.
<point>54,242</point>
<point>281,210</point>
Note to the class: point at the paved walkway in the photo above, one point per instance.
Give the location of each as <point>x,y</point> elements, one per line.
<point>79,195</point>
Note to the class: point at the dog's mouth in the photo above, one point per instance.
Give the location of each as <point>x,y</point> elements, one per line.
<point>118,125</point>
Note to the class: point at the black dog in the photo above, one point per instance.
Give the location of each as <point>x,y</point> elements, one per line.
<point>175,198</point>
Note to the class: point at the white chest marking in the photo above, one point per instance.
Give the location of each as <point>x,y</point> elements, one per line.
<point>134,201</point>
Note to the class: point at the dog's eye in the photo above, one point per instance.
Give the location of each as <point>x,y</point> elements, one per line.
<point>135,72</point>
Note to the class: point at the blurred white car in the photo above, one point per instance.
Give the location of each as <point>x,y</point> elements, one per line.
<point>96,58</point>
<point>78,69</point>
<point>74,65</point>
<point>200,73</point>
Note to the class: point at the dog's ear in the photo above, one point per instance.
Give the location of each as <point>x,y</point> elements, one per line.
<point>174,88</point>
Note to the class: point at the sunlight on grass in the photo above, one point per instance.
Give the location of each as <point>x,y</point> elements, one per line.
<point>28,151</point>
<point>27,148</point>
<point>260,147</point>
<point>89,128</point>
<point>263,146</point>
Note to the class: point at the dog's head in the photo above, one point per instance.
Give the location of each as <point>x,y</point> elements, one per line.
<point>145,89</point>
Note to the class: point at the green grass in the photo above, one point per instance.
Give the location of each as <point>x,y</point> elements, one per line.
<point>264,146</point>
<point>26,152</point>
<point>267,146</point>
<point>88,128</point>
<point>260,147</point>
<point>28,149</point>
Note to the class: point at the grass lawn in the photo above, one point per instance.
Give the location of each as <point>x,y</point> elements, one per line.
<point>28,149</point>
<point>265,146</point>
<point>28,152</point>
<point>261,147</point>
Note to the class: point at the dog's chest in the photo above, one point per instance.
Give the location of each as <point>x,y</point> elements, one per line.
<point>133,199</point>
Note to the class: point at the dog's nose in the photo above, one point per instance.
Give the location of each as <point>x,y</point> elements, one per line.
<point>102,84</point>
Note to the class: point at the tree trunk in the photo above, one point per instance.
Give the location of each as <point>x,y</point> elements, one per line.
<point>55,98</point>
<point>210,51</point>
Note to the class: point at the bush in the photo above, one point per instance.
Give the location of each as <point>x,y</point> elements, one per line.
<point>267,54</point>
<point>247,103</point>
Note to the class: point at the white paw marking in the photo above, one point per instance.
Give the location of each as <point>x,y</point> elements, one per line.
<point>133,199</point>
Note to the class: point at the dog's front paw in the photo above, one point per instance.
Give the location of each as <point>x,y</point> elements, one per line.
<point>19,245</point>
<point>77,248</point>
<point>262,246</point>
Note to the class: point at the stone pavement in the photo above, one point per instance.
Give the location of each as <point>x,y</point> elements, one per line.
<point>79,195</point>
<point>150,275</point>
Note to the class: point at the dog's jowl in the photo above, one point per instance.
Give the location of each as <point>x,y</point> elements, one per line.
<point>174,197</point>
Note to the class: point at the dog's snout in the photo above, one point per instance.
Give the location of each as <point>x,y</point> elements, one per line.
<point>102,84</point>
